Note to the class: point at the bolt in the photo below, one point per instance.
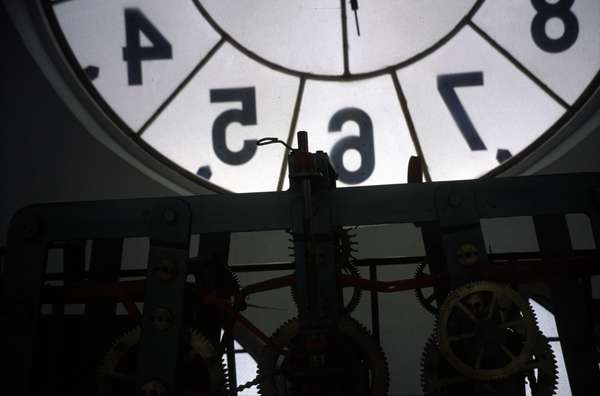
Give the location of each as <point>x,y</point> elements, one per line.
<point>169,216</point>
<point>154,388</point>
<point>455,200</point>
<point>162,319</point>
<point>468,254</point>
<point>32,228</point>
<point>166,269</point>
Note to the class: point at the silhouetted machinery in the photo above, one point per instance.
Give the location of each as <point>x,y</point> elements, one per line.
<point>486,340</point>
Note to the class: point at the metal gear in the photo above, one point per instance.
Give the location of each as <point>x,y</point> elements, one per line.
<point>427,300</point>
<point>346,265</point>
<point>541,371</point>
<point>439,378</point>
<point>349,353</point>
<point>228,282</point>
<point>202,371</point>
<point>486,330</point>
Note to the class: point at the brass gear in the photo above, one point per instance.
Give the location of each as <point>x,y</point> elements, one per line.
<point>439,378</point>
<point>202,369</point>
<point>276,369</point>
<point>486,330</point>
<point>429,302</point>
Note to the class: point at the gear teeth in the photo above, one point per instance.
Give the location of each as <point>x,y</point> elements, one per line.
<point>433,368</point>
<point>529,322</point>
<point>118,348</point>
<point>430,344</point>
<point>198,345</point>
<point>236,280</point>
<point>547,368</point>
<point>429,306</point>
<point>290,328</point>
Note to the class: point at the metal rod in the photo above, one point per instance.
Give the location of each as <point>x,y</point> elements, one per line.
<point>375,323</point>
<point>231,368</point>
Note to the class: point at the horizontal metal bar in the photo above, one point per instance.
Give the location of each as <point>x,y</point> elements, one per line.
<point>241,212</point>
<point>523,258</point>
<point>92,219</point>
<point>388,204</point>
<point>494,197</point>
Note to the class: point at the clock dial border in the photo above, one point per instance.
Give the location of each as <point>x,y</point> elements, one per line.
<point>576,114</point>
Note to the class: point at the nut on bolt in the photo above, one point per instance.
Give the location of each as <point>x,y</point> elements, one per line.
<point>154,388</point>
<point>169,216</point>
<point>166,269</point>
<point>455,200</point>
<point>32,227</point>
<point>162,318</point>
<point>468,254</point>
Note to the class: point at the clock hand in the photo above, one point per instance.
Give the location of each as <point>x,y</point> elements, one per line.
<point>354,6</point>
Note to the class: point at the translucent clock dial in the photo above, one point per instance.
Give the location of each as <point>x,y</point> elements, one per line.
<point>467,117</point>
<point>104,35</point>
<point>471,86</point>
<point>236,101</point>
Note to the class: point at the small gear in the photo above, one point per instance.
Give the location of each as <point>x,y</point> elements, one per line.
<point>427,299</point>
<point>541,371</point>
<point>201,370</point>
<point>346,264</point>
<point>439,378</point>
<point>349,362</point>
<point>227,282</point>
<point>486,330</point>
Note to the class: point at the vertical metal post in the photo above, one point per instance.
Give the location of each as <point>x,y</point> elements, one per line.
<point>462,238</point>
<point>20,302</point>
<point>69,357</point>
<point>375,322</point>
<point>571,301</point>
<point>432,242</point>
<point>314,246</point>
<point>105,265</point>
<point>164,298</point>
<point>211,258</point>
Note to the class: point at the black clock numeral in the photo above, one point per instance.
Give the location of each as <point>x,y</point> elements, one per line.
<point>136,23</point>
<point>363,143</point>
<point>546,11</point>
<point>245,116</point>
<point>205,172</point>
<point>92,72</point>
<point>447,84</point>
<point>503,155</point>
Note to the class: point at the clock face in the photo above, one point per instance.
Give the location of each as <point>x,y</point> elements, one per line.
<point>468,85</point>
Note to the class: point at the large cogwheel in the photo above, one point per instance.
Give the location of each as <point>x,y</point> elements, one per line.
<point>427,297</point>
<point>201,370</point>
<point>346,264</point>
<point>439,378</point>
<point>486,330</point>
<point>350,363</point>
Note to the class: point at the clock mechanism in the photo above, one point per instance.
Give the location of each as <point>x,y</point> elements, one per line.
<point>486,339</point>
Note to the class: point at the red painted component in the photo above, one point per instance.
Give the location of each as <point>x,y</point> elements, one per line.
<point>390,287</point>
<point>303,161</point>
